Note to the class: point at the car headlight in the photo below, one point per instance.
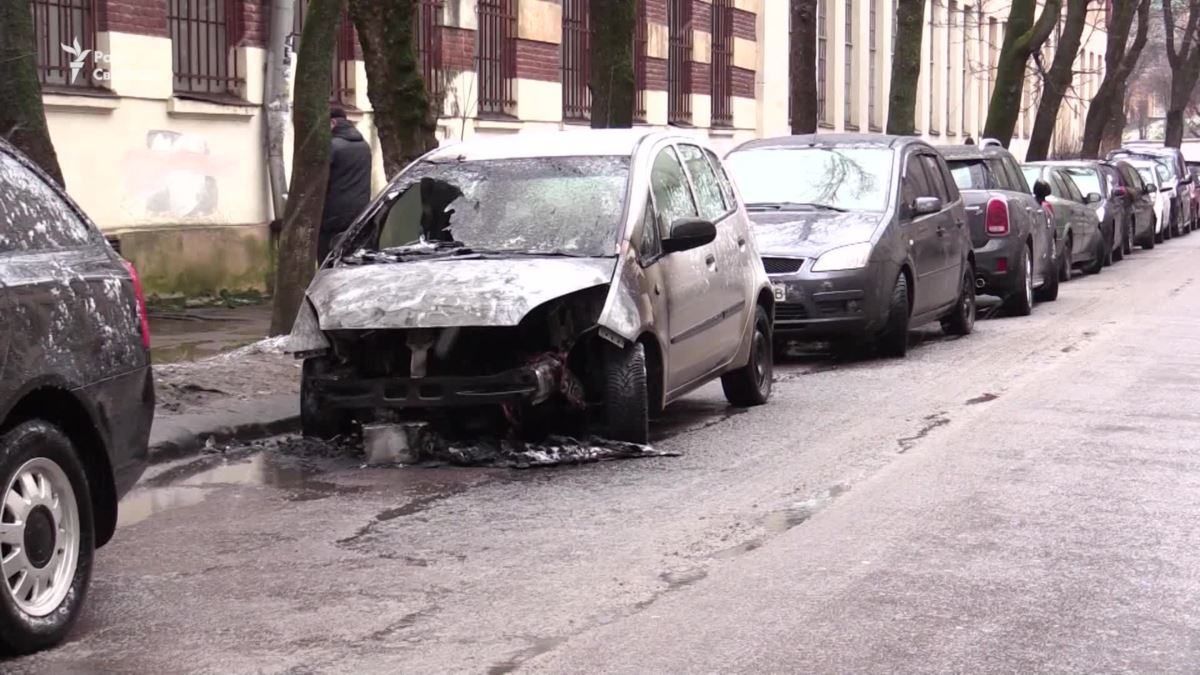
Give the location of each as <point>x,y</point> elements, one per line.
<point>852,257</point>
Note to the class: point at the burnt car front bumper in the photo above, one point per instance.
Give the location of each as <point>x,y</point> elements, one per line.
<point>826,305</point>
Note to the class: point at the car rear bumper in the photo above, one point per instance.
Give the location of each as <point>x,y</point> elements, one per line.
<point>827,305</point>
<point>124,408</point>
<point>997,265</point>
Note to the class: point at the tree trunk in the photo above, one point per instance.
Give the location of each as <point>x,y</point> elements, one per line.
<point>403,113</point>
<point>1173,137</point>
<point>1056,82</point>
<point>1114,130</point>
<point>1185,67</point>
<point>1108,105</point>
<point>906,69</point>
<point>612,78</point>
<point>802,55</point>
<point>277,97</point>
<point>1022,37</point>
<point>310,162</point>
<point>22,117</point>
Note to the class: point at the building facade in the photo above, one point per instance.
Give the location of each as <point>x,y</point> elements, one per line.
<point>156,106</point>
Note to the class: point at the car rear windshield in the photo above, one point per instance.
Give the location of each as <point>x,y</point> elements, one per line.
<point>854,179</point>
<point>553,205</point>
<point>1032,174</point>
<point>1085,179</point>
<point>970,174</point>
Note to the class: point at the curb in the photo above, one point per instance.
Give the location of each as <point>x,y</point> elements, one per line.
<point>174,437</point>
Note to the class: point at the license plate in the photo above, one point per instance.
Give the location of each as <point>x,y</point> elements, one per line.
<point>780,293</point>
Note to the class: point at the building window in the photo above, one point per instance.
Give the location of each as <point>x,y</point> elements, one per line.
<point>822,59</point>
<point>576,42</point>
<point>849,66</point>
<point>342,82</point>
<point>722,63</point>
<point>950,100</point>
<point>429,50</point>
<point>641,43</point>
<point>679,62</point>
<point>496,58</point>
<point>64,22</point>
<point>203,33</point>
<point>966,87</point>
<point>935,99</point>
<point>872,76</point>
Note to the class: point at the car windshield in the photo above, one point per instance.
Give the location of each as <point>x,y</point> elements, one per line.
<point>970,174</point>
<point>541,205</point>
<point>1032,174</point>
<point>1085,179</point>
<point>1146,174</point>
<point>851,179</point>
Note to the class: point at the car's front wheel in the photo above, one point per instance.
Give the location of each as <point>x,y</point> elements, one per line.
<point>47,537</point>
<point>750,385</point>
<point>627,395</point>
<point>893,339</point>
<point>961,320</point>
<point>1100,255</point>
<point>1118,252</point>
<point>1065,264</point>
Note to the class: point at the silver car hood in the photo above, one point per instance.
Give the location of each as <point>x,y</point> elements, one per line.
<point>445,293</point>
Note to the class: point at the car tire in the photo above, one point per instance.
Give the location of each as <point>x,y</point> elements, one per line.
<point>1098,256</point>
<point>1020,301</point>
<point>750,385</point>
<point>892,341</point>
<point>54,543</point>
<point>627,395</point>
<point>1152,236</point>
<point>961,320</point>
<point>1117,253</point>
<point>1049,290</point>
<point>1064,262</point>
<point>1127,241</point>
<point>318,420</point>
<point>1108,247</point>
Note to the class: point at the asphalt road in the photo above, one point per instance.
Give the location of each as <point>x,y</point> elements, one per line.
<point>1024,499</point>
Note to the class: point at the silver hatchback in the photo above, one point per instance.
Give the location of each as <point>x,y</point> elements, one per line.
<point>579,278</point>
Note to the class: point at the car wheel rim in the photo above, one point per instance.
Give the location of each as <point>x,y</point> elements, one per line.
<point>1028,280</point>
<point>968,308</point>
<point>762,352</point>
<point>39,537</point>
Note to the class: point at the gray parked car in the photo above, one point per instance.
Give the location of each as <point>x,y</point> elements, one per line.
<point>1138,198</point>
<point>1177,182</point>
<point>863,236</point>
<point>1100,179</point>
<point>543,279</point>
<point>76,401</point>
<point>1016,255</point>
<point>1081,243</point>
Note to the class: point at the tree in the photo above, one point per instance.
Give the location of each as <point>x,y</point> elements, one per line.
<point>906,67</point>
<point>1106,112</point>
<point>1185,67</point>
<point>612,82</point>
<point>310,162</point>
<point>802,56</point>
<point>1022,38</point>
<point>22,117</point>
<point>399,95</point>
<point>1057,80</point>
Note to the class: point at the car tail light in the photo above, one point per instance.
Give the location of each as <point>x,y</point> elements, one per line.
<point>1002,265</point>
<point>997,217</point>
<point>143,315</point>
<point>1049,211</point>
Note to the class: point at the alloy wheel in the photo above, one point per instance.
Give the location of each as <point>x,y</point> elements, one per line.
<point>39,537</point>
<point>1028,280</point>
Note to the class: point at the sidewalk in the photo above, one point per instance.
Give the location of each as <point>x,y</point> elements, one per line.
<point>237,385</point>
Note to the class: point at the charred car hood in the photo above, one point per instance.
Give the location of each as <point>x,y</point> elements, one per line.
<point>445,293</point>
<point>808,233</point>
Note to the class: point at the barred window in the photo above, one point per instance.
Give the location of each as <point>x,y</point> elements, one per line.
<point>722,63</point>
<point>496,56</point>
<point>57,26</point>
<point>872,66</point>
<point>966,81</point>
<point>342,83</point>
<point>822,58</point>
<point>935,99</point>
<point>429,50</point>
<point>203,35</point>
<point>640,52</point>
<point>679,62</point>
<point>950,99</point>
<point>576,68</point>
<point>849,66</point>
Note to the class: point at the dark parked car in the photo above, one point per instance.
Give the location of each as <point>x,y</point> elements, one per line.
<point>1178,181</point>
<point>863,236</point>
<point>1081,243</point>
<point>1100,178</point>
<point>1016,257</point>
<point>1139,200</point>
<point>76,401</point>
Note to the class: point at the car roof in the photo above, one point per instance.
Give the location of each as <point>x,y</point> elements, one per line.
<point>1070,163</point>
<point>571,143</point>
<point>971,151</point>
<point>831,140</point>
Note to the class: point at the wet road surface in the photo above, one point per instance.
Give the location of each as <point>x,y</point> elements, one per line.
<point>1024,499</point>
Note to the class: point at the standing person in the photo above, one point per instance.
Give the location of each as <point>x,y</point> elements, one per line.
<point>349,187</point>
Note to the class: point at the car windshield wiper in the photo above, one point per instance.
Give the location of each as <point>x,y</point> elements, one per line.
<point>792,206</point>
<point>557,253</point>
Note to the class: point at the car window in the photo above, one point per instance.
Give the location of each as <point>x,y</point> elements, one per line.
<point>947,179</point>
<point>651,246</point>
<point>709,199</point>
<point>1015,177</point>
<point>722,180</point>
<point>1147,176</point>
<point>1032,175</point>
<point>851,178</point>
<point>971,174</point>
<point>936,181</point>
<point>33,216</point>
<point>915,183</point>
<point>1069,186</point>
<point>1085,180</point>
<point>672,196</point>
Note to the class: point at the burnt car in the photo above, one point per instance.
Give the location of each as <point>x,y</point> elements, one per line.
<point>863,236</point>
<point>76,401</point>
<point>1080,239</point>
<point>587,277</point>
<point>1016,255</point>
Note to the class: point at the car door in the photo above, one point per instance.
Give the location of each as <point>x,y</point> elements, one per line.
<point>948,222</point>
<point>925,247</point>
<point>1084,222</point>
<point>728,290</point>
<point>689,277</point>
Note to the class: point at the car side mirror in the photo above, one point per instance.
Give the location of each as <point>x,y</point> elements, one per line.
<point>1147,189</point>
<point>689,233</point>
<point>924,206</point>
<point>1041,190</point>
<point>1092,198</point>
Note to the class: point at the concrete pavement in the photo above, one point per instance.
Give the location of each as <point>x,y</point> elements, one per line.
<point>1023,499</point>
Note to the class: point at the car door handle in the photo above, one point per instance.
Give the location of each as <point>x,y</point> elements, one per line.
<point>741,242</point>
<point>711,261</point>
<point>941,230</point>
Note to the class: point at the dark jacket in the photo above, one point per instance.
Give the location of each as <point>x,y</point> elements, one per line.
<point>349,178</point>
